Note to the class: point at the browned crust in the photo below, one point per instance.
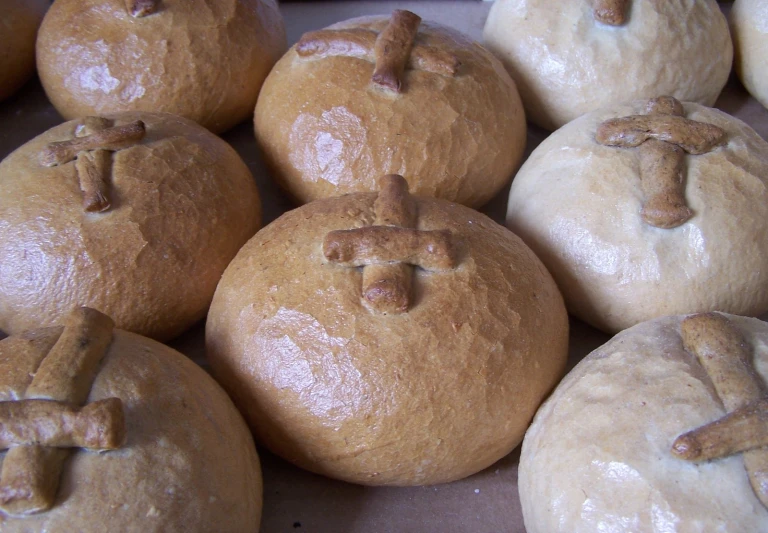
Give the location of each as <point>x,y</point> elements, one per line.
<point>430,250</point>
<point>613,12</point>
<point>115,138</point>
<point>93,170</point>
<point>393,48</point>
<point>98,426</point>
<point>726,356</point>
<point>141,8</point>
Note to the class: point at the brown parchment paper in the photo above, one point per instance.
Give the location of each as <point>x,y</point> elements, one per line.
<point>297,501</point>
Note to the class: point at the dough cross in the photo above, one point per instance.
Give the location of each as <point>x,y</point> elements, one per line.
<point>612,12</point>
<point>726,356</point>
<point>91,149</point>
<point>39,429</point>
<point>141,8</point>
<point>663,135</point>
<point>392,50</point>
<point>390,248</point>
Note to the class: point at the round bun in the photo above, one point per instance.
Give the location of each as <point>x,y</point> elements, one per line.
<point>203,60</point>
<point>749,25</point>
<point>19,20</point>
<point>327,129</point>
<point>182,205</point>
<point>187,461</point>
<point>432,393</point>
<point>580,206</point>
<point>598,456</point>
<point>566,63</point>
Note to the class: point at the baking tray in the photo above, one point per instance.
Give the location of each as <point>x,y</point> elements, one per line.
<point>295,500</point>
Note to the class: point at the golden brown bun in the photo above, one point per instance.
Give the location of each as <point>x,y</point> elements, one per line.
<point>19,20</point>
<point>567,64</point>
<point>326,131</point>
<point>202,59</point>
<point>188,462</point>
<point>183,204</point>
<point>427,396</point>
<point>598,454</point>
<point>578,205</point>
<point>749,26</point>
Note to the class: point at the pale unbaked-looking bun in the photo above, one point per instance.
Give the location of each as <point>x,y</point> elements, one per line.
<point>456,130</point>
<point>199,59</point>
<point>749,25</point>
<point>580,205</point>
<point>176,202</point>
<point>19,20</point>
<point>566,63</point>
<point>176,455</point>
<point>598,456</point>
<point>431,376</point>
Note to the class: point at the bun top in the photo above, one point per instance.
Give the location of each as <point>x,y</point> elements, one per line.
<point>588,54</point>
<point>378,95</point>
<point>104,430</point>
<point>662,428</point>
<point>339,326</point>
<point>135,214</point>
<point>199,59</point>
<point>602,203</point>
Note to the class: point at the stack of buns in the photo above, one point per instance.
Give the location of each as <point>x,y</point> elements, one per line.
<point>386,333</point>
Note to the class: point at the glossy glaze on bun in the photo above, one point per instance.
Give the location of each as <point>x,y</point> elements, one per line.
<point>326,129</point>
<point>182,204</point>
<point>201,59</point>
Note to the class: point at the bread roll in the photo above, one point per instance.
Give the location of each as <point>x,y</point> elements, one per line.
<point>598,456</point>
<point>183,459</point>
<point>455,129</point>
<point>140,229</point>
<point>567,62</point>
<point>19,20</point>
<point>749,26</point>
<point>387,374</point>
<point>199,59</point>
<point>584,208</point>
